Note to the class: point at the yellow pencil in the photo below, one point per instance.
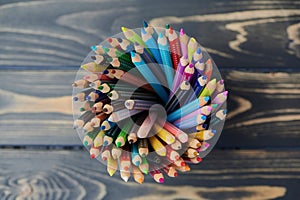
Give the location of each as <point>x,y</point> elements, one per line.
<point>112,166</point>
<point>163,134</point>
<point>158,146</point>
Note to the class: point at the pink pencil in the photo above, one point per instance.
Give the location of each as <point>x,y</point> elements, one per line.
<point>183,43</point>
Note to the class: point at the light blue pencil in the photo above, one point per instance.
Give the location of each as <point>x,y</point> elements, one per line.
<point>152,45</point>
<point>135,156</point>
<point>189,123</point>
<point>187,108</point>
<point>149,76</point>
<point>166,58</point>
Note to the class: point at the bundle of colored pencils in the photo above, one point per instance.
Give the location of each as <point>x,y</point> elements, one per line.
<point>149,103</point>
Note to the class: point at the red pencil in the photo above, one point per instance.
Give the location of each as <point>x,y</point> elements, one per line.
<point>174,47</point>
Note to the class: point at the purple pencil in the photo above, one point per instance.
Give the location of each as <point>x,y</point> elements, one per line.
<point>184,39</point>
<point>179,72</point>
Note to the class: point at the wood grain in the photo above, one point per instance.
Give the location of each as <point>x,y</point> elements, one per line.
<point>53,34</point>
<point>227,174</point>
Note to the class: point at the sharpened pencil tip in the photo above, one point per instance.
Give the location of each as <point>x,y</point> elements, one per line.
<point>214,131</point>
<point>81,109</point>
<point>88,98</point>
<point>92,156</point>
<point>206,99</point>
<point>132,54</point>
<point>199,50</point>
<point>145,24</point>
<point>94,48</point>
<point>118,144</point>
<point>85,143</point>
<point>109,40</point>
<point>203,117</point>
<point>75,98</point>
<point>124,29</point>
<point>111,172</point>
<point>167,26</point>
<point>125,178</point>
<point>105,143</point>
<point>181,32</point>
<point>193,39</point>
<point>225,111</point>
<point>175,174</point>
<point>161,180</point>
<point>225,93</point>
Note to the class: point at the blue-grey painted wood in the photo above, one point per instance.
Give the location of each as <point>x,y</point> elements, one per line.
<point>227,174</point>
<point>51,34</point>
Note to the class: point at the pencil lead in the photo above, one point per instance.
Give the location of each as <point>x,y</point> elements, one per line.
<point>167,26</point>
<point>111,172</point>
<point>88,98</point>
<point>161,180</point>
<point>75,98</point>
<point>181,32</point>
<point>132,53</point>
<point>85,143</point>
<point>109,40</point>
<point>92,156</point>
<point>105,143</point>
<point>145,24</point>
<point>94,48</point>
<point>118,144</point>
<point>124,29</point>
<point>199,50</point>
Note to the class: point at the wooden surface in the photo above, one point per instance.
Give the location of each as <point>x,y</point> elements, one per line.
<point>255,45</point>
<point>250,175</point>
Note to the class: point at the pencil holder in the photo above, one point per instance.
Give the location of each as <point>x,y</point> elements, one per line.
<point>149,101</point>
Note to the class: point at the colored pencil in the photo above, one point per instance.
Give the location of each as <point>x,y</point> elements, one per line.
<point>137,175</point>
<point>166,59</point>
<point>187,108</point>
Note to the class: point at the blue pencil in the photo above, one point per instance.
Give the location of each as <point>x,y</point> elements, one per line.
<point>149,76</point>
<point>150,29</point>
<point>166,58</point>
<point>152,45</point>
<point>187,108</point>
<point>135,154</point>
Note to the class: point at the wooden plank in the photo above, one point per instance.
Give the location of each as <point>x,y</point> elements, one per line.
<point>35,109</point>
<point>237,33</point>
<point>227,174</point>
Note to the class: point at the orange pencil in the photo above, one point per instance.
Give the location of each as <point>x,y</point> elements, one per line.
<point>137,175</point>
